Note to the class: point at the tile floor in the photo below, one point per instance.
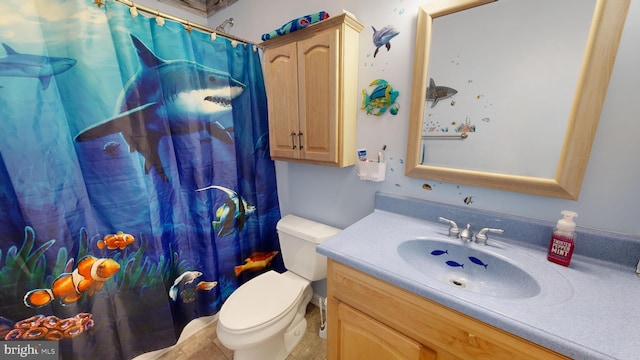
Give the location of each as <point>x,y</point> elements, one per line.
<point>205,344</point>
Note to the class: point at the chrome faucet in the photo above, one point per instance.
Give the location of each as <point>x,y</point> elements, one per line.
<point>453,229</point>
<point>481,236</point>
<point>467,234</point>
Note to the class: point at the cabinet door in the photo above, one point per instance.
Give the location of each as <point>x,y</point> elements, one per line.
<point>318,61</point>
<point>364,338</point>
<point>281,81</point>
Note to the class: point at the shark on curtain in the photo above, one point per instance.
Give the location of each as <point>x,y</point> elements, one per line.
<point>168,97</point>
<point>17,64</point>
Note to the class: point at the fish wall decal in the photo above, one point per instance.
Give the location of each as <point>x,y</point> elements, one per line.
<point>164,98</point>
<point>382,97</point>
<point>383,37</point>
<point>16,64</point>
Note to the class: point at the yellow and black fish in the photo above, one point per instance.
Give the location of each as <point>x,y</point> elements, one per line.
<point>232,216</point>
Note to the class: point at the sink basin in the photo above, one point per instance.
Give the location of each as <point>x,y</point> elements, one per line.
<point>467,266</point>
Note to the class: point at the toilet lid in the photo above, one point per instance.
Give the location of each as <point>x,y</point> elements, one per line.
<point>260,300</point>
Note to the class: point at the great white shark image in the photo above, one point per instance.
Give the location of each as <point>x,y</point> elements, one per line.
<point>16,64</point>
<point>164,98</point>
<point>437,93</point>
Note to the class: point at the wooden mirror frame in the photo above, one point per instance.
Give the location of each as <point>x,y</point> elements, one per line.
<point>597,64</point>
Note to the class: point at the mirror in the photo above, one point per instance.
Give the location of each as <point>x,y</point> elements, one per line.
<point>586,91</point>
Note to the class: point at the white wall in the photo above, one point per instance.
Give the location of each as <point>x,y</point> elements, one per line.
<point>173,11</point>
<point>610,197</point>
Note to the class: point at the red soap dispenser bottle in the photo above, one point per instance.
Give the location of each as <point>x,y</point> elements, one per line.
<point>563,239</point>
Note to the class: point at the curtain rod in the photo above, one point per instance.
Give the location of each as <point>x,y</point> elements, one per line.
<point>186,23</point>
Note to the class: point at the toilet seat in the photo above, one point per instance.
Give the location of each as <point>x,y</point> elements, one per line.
<point>260,302</point>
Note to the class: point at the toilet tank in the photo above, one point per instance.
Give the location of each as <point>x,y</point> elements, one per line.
<point>298,240</point>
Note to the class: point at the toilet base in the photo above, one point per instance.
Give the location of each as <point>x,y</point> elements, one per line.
<point>275,349</point>
<point>280,346</point>
<point>293,336</point>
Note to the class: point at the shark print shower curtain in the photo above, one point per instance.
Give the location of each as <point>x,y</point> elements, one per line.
<point>136,188</point>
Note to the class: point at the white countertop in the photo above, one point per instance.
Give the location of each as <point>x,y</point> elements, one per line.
<point>588,310</point>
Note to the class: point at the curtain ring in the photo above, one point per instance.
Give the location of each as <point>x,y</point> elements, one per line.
<point>188,27</point>
<point>234,43</point>
<point>213,36</point>
<point>159,19</point>
<point>133,10</point>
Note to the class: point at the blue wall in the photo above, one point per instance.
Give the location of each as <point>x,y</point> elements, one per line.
<point>610,197</point>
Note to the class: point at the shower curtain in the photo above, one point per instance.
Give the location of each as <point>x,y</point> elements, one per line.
<point>136,188</point>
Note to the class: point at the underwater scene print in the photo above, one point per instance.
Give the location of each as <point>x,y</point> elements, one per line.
<point>136,188</point>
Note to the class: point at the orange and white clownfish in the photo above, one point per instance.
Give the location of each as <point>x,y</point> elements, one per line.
<point>119,240</point>
<point>88,276</point>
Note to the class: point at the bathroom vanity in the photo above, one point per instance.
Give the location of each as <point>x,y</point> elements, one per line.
<point>374,320</point>
<point>390,293</point>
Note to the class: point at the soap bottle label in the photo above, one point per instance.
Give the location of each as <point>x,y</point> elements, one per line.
<point>560,250</point>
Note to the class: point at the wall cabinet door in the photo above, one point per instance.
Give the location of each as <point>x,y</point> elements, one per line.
<point>311,77</point>
<point>318,84</point>
<point>281,64</point>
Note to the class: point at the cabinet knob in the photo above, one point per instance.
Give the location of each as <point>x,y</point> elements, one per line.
<point>300,140</point>
<point>293,140</point>
<point>472,339</point>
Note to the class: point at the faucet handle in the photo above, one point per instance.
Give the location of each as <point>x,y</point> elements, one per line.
<point>481,236</point>
<point>453,230</point>
<point>467,234</point>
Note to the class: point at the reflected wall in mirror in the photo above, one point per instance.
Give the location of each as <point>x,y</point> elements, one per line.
<point>507,101</point>
<point>514,82</point>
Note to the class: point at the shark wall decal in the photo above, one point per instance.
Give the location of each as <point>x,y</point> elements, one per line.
<point>164,98</point>
<point>16,64</point>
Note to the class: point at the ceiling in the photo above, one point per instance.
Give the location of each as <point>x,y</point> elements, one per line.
<point>204,8</point>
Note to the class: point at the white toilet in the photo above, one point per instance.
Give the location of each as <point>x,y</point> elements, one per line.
<point>264,318</point>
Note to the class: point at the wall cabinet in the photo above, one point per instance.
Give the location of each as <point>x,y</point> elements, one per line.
<point>311,77</point>
<point>369,316</point>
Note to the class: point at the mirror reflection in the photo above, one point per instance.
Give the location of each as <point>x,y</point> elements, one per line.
<point>515,86</point>
<point>508,85</point>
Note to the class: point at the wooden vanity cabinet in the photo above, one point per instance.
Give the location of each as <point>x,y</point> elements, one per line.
<point>311,78</point>
<point>372,319</point>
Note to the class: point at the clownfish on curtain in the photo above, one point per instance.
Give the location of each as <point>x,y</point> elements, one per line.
<point>136,188</point>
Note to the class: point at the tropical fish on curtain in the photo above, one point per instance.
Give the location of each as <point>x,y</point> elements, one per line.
<point>136,190</point>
